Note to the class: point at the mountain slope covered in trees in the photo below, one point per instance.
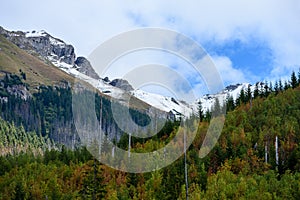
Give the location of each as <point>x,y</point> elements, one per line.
<point>236,168</point>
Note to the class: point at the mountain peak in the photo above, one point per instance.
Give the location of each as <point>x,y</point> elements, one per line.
<point>41,33</point>
<point>51,49</point>
<point>122,84</point>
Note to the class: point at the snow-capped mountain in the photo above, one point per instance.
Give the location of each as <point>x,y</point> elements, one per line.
<point>63,56</point>
<point>233,91</point>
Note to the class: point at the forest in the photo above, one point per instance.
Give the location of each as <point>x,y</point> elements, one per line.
<point>256,156</point>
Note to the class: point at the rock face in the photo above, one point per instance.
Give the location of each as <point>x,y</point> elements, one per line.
<point>46,45</point>
<point>43,44</point>
<point>85,67</point>
<point>49,49</point>
<point>13,85</point>
<point>122,84</point>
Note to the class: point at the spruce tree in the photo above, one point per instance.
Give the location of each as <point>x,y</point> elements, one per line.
<point>270,87</point>
<point>276,87</point>
<point>266,89</point>
<point>294,81</point>
<point>280,85</point>
<point>200,111</point>
<point>286,85</point>
<point>299,77</point>
<point>230,104</point>
<point>256,91</point>
<point>248,93</point>
<point>262,91</point>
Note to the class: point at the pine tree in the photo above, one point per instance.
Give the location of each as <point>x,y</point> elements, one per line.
<point>200,111</point>
<point>299,77</point>
<point>230,104</point>
<point>207,115</point>
<point>266,89</point>
<point>270,87</point>
<point>280,85</point>
<point>286,85</point>
<point>216,110</point>
<point>256,91</point>
<point>242,98</point>
<point>294,81</point>
<point>248,94</point>
<point>19,191</point>
<point>262,91</point>
<point>276,87</point>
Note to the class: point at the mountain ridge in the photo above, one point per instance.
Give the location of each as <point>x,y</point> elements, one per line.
<point>62,55</point>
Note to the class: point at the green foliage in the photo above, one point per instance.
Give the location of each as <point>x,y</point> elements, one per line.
<point>200,111</point>
<point>227,185</point>
<point>14,140</point>
<point>234,169</point>
<point>294,81</point>
<point>299,77</point>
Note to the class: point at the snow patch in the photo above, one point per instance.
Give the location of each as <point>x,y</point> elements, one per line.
<point>41,33</point>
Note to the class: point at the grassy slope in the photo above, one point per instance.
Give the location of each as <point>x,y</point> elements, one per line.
<point>12,59</point>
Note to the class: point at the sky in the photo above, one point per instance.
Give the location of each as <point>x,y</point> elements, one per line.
<point>248,41</point>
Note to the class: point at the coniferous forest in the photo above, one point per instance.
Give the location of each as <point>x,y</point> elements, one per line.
<point>256,156</point>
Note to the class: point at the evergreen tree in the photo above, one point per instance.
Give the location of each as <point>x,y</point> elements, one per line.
<point>299,77</point>
<point>248,93</point>
<point>229,103</point>
<point>256,91</point>
<point>242,98</point>
<point>280,85</point>
<point>270,87</point>
<point>262,91</point>
<point>19,191</point>
<point>216,109</point>
<point>266,89</point>
<point>200,111</point>
<point>207,115</point>
<point>286,85</point>
<point>294,81</point>
<point>276,87</point>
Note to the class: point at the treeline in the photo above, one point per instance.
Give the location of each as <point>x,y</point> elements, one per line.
<point>248,162</point>
<point>235,168</point>
<point>263,90</point>
<point>49,111</point>
<point>14,140</point>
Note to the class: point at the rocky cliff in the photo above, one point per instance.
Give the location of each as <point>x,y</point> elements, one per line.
<point>49,48</point>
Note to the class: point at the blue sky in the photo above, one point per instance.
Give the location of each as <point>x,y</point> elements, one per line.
<point>255,59</point>
<point>248,41</point>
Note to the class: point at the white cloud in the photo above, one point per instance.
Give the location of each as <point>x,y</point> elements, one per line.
<point>277,23</point>
<point>88,23</point>
<point>229,74</point>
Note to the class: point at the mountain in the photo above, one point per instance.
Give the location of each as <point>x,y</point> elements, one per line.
<point>233,91</point>
<point>37,72</point>
<point>56,52</point>
<point>256,156</point>
<point>15,60</point>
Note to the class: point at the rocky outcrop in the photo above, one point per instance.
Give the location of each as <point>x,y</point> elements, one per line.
<point>43,44</point>
<point>49,49</point>
<point>19,91</point>
<point>85,67</point>
<point>13,85</point>
<point>122,84</point>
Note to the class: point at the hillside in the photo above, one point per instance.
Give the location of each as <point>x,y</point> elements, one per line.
<point>236,168</point>
<point>37,94</point>
<point>14,141</point>
<point>15,60</point>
